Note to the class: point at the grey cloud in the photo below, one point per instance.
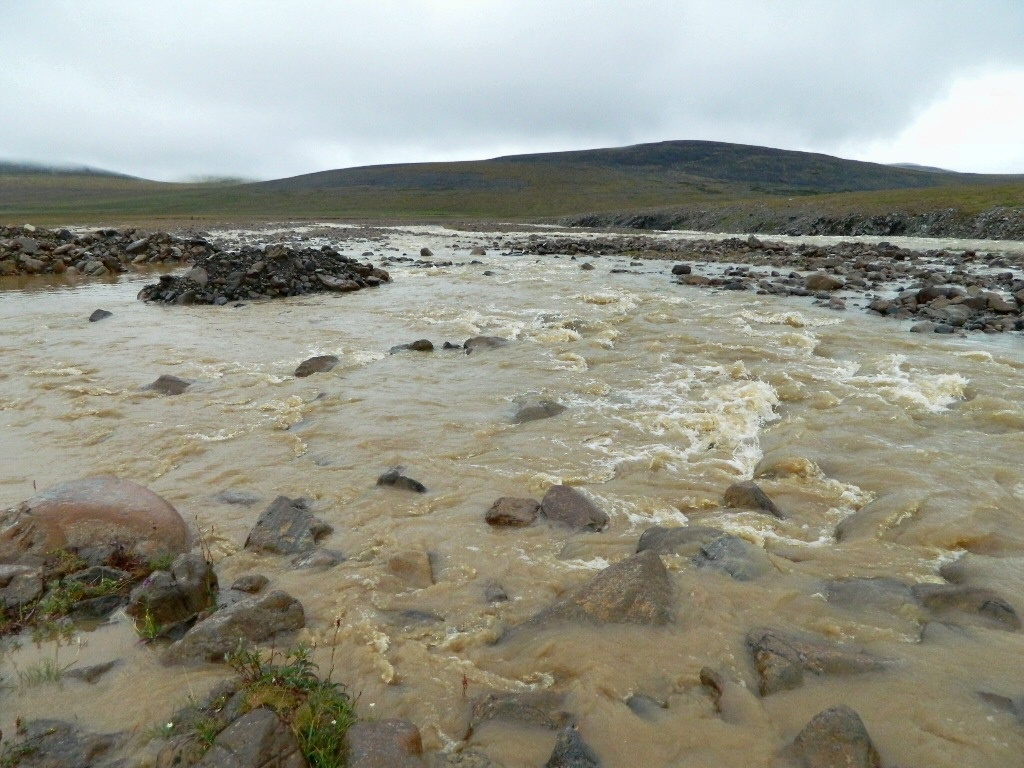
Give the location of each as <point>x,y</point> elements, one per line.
<point>268,89</point>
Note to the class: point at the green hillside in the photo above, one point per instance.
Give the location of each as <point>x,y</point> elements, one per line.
<point>663,176</point>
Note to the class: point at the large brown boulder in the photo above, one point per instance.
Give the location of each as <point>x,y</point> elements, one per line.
<point>636,590</point>
<point>93,517</point>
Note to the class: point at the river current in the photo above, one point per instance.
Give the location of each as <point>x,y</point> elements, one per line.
<point>673,393</point>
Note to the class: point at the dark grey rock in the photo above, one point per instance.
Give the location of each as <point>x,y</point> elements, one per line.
<point>681,269</point>
<point>287,527</point>
<point>388,743</point>
<point>509,511</point>
<point>682,540</point>
<point>395,479</point>
<point>565,505</point>
<point>571,751</point>
<point>317,364</point>
<point>832,739</point>
<point>735,556</point>
<point>100,314</point>
<point>749,495</point>
<point>169,385</point>
<point>248,621</point>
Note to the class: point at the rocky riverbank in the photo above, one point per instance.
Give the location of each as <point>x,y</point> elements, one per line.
<point>29,250</point>
<point>999,223</point>
<point>947,291</point>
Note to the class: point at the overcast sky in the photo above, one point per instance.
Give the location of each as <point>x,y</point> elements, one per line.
<point>265,89</point>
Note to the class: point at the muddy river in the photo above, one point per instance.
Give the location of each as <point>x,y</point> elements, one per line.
<point>914,443</point>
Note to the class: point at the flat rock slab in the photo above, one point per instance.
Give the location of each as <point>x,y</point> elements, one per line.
<point>287,527</point>
<point>781,659</point>
<point>257,739</point>
<point>832,739</point>
<point>565,505</point>
<point>318,364</point>
<point>391,743</point>
<point>749,495</point>
<point>93,517</point>
<point>636,590</point>
<point>512,512</point>
<point>247,621</point>
<point>682,540</point>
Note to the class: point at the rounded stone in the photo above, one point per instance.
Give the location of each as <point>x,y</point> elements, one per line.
<point>93,516</point>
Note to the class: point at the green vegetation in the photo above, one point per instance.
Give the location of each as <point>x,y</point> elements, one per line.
<point>317,710</point>
<point>700,175</point>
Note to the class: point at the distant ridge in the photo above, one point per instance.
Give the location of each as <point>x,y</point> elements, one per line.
<point>15,167</point>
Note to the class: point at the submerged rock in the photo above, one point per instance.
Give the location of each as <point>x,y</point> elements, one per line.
<point>682,540</point>
<point>957,603</point>
<point>544,709</point>
<point>537,409</point>
<point>781,659</point>
<point>100,314</point>
<point>484,342</point>
<point>735,556</point>
<point>93,517</point>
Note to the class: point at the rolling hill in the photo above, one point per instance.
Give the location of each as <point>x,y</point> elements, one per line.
<point>605,184</point>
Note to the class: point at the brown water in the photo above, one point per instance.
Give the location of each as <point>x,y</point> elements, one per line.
<point>674,393</point>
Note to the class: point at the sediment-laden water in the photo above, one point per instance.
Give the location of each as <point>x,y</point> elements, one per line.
<point>673,394</point>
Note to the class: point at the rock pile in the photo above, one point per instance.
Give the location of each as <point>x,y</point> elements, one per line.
<point>29,250</point>
<point>946,290</point>
<point>264,273</point>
